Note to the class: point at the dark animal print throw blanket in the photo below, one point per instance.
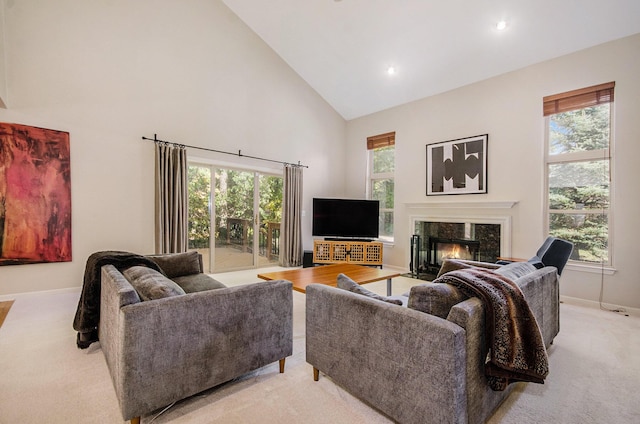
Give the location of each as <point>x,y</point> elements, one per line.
<point>87,315</point>
<point>516,348</point>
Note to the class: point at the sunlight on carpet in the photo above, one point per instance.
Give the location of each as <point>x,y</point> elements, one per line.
<point>4,310</point>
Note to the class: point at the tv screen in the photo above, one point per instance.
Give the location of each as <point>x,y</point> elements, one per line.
<point>348,218</point>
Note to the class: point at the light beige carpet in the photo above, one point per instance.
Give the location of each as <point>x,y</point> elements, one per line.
<point>44,378</point>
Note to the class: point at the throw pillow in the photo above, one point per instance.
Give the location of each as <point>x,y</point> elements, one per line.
<point>515,270</point>
<point>451,265</point>
<point>435,299</point>
<point>178,264</point>
<point>454,264</point>
<point>347,283</point>
<point>150,284</point>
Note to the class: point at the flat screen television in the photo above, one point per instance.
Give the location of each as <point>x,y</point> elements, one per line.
<point>345,218</point>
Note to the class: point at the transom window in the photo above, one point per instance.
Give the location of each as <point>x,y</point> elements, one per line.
<point>578,164</point>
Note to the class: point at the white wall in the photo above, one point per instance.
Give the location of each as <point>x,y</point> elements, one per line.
<point>509,109</point>
<point>190,71</point>
<point>3,68</point>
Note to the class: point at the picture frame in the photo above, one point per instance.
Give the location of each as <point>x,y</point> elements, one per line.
<point>35,195</point>
<point>457,166</point>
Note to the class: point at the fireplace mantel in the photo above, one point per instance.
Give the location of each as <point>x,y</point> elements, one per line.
<point>508,204</point>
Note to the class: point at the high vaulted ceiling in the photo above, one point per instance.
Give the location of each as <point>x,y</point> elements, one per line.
<point>343,48</point>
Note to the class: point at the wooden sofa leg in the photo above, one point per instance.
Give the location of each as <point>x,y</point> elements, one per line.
<point>281,361</point>
<point>316,374</point>
<point>135,420</point>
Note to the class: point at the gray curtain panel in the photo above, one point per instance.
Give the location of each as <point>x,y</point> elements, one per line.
<point>291,229</point>
<point>171,198</point>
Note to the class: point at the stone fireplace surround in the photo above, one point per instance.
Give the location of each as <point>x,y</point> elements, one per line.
<point>460,213</point>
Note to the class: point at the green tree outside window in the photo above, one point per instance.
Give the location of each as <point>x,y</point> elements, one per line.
<point>579,181</point>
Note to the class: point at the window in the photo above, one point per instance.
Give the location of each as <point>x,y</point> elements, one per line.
<point>381,150</point>
<point>578,164</point>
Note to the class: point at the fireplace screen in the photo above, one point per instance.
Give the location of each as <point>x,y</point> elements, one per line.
<point>433,242</point>
<point>441,249</point>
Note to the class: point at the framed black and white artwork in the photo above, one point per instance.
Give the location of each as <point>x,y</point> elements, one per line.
<point>457,166</point>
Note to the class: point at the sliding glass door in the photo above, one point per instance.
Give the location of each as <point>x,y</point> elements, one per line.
<point>269,217</point>
<point>234,217</point>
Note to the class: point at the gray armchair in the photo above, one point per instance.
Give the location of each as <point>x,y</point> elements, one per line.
<point>164,350</point>
<point>423,363</point>
<point>553,252</point>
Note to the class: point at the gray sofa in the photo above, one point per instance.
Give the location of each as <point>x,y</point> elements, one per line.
<point>413,366</point>
<point>188,337</point>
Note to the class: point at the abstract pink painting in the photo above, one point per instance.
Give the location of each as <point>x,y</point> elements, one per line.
<point>35,195</point>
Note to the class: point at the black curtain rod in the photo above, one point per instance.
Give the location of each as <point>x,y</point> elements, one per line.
<point>155,139</point>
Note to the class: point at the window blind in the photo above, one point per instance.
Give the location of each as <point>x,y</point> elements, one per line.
<point>381,140</point>
<point>578,99</point>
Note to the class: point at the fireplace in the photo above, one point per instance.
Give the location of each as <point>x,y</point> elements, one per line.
<point>468,239</point>
<point>443,248</point>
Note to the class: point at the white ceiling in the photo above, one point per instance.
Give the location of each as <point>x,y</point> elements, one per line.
<point>343,48</point>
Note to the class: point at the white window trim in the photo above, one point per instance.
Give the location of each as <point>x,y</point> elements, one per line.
<point>606,154</point>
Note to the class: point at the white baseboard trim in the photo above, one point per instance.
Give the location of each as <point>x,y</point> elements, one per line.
<point>567,299</point>
<point>5,297</point>
<point>593,304</point>
<point>395,268</point>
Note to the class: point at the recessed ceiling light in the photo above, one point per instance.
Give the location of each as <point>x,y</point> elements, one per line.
<point>391,70</point>
<point>501,26</point>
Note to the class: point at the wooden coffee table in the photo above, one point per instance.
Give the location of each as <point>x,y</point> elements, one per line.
<point>328,274</point>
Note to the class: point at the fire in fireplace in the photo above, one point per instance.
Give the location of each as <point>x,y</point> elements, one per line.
<point>441,249</point>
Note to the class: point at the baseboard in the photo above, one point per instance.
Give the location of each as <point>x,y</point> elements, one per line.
<point>596,305</point>
<point>568,299</point>
<point>4,297</point>
<point>399,269</point>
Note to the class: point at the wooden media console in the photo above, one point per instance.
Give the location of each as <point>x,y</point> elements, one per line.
<point>343,251</point>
